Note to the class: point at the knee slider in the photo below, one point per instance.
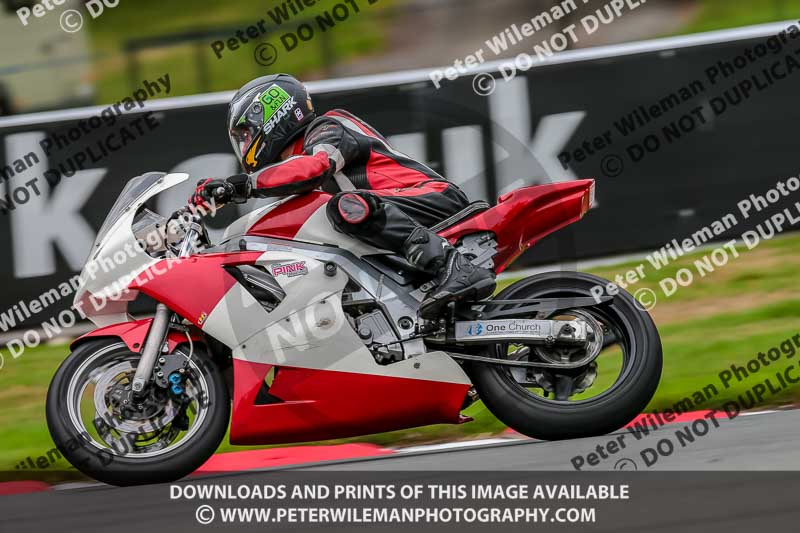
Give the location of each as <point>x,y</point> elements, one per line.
<point>353,208</point>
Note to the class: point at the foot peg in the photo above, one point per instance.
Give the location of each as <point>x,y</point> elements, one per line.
<point>427,287</point>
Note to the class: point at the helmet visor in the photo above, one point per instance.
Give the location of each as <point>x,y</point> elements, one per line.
<point>246,119</point>
<point>241,138</point>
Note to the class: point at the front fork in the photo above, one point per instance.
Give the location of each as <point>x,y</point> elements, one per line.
<point>152,347</point>
<point>160,326</point>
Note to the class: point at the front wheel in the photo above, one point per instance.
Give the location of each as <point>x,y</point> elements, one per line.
<point>606,393</point>
<point>116,438</point>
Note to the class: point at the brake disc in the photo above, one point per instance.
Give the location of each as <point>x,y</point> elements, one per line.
<point>111,413</point>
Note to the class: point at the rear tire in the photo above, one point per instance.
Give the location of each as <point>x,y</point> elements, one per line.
<point>82,449</point>
<point>552,420</point>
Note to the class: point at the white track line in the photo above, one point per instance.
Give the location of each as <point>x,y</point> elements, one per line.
<point>452,445</point>
<point>78,485</point>
<point>412,449</point>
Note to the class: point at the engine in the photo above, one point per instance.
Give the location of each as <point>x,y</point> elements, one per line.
<point>377,334</point>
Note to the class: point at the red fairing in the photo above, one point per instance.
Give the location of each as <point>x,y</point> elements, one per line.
<point>323,404</point>
<point>191,286</point>
<point>526,215</point>
<point>133,334</point>
<point>285,221</point>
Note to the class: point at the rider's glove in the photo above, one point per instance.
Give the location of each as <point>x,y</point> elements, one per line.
<point>235,189</point>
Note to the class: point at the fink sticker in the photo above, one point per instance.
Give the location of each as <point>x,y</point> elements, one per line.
<point>290,269</point>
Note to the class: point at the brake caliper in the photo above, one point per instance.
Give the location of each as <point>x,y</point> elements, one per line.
<point>170,373</point>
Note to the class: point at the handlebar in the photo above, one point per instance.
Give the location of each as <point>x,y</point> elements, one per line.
<point>194,221</point>
<point>193,230</point>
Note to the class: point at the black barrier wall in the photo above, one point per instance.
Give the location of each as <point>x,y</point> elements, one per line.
<point>675,137</point>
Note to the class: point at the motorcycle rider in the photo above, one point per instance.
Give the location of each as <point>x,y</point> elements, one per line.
<point>380,196</point>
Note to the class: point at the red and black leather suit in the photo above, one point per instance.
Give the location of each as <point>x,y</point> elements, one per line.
<point>342,154</point>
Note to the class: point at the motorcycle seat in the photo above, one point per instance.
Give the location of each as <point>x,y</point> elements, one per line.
<point>471,210</point>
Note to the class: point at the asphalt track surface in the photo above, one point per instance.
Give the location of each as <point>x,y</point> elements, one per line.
<point>741,475</point>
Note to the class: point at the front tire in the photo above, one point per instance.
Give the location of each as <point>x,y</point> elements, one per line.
<point>155,452</point>
<point>538,417</point>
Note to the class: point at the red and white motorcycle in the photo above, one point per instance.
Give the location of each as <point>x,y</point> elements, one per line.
<point>314,335</point>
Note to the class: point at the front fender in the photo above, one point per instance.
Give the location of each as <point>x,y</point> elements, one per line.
<point>133,334</point>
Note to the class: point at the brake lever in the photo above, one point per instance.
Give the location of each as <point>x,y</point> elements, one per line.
<point>183,222</point>
<point>176,214</point>
<point>187,209</point>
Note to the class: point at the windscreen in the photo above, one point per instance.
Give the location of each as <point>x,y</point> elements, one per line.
<point>132,191</point>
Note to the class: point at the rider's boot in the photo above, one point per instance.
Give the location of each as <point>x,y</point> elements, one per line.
<point>456,278</point>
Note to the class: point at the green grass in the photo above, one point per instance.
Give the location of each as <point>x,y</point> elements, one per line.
<point>697,352</point>
<point>360,34</point>
<point>721,14</point>
<point>747,307</point>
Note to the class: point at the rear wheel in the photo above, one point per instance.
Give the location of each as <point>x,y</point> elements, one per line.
<point>618,375</point>
<point>113,437</point>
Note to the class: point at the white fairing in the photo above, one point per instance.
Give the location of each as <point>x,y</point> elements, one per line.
<point>238,320</point>
<point>115,261</point>
<point>309,329</point>
<point>317,230</point>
